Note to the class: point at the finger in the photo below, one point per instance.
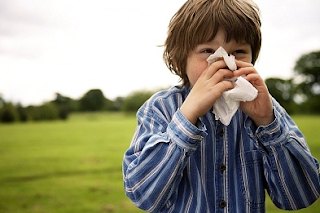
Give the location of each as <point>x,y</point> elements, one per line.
<point>221,75</point>
<point>214,67</point>
<point>256,80</point>
<point>245,71</point>
<point>254,77</point>
<point>221,87</point>
<point>241,64</point>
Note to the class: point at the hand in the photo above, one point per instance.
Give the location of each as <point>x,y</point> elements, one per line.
<point>260,110</point>
<point>206,90</point>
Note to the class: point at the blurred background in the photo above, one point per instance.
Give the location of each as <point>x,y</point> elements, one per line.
<point>72,46</point>
<point>74,72</point>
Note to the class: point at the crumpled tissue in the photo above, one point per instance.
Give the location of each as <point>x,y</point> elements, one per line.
<point>228,103</point>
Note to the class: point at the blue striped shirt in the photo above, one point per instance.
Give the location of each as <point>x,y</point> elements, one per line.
<point>175,166</point>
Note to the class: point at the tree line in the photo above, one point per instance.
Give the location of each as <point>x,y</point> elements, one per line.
<point>298,95</point>
<point>61,107</point>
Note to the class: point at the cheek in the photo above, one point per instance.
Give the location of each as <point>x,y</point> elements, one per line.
<point>194,70</point>
<point>247,58</point>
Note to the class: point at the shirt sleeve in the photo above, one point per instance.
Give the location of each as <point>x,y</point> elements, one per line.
<point>153,165</point>
<point>291,172</point>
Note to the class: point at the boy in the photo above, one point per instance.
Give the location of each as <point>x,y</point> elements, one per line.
<point>182,159</point>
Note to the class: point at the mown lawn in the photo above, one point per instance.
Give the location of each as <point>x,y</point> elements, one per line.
<point>75,166</point>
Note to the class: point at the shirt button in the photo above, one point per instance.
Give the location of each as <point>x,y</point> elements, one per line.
<point>221,133</point>
<point>222,167</point>
<point>222,204</point>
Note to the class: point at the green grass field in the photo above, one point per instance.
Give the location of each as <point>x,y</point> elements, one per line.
<point>75,166</point>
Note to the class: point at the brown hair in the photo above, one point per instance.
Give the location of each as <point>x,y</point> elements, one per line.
<point>198,22</point>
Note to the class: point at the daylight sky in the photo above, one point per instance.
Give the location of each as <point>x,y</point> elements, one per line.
<point>72,46</point>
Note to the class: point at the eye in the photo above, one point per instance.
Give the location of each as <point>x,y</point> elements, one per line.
<point>239,52</point>
<point>208,50</point>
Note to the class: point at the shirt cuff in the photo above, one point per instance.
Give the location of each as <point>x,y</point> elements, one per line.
<point>270,135</point>
<point>185,134</point>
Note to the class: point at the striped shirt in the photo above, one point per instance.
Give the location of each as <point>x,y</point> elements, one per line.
<point>175,166</point>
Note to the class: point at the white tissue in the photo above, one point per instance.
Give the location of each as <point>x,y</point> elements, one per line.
<point>221,53</point>
<point>228,103</point>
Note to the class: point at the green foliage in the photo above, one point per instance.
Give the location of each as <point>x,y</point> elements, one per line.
<point>75,166</point>
<point>283,91</point>
<point>23,114</point>
<point>65,105</point>
<point>135,100</point>
<point>308,66</point>
<point>62,106</point>
<point>93,100</point>
<point>47,111</point>
<point>307,69</point>
<point>8,113</point>
<point>301,94</point>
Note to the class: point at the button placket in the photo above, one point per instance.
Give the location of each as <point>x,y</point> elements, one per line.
<point>220,166</point>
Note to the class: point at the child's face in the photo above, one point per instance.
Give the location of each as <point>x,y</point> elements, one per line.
<point>197,63</point>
